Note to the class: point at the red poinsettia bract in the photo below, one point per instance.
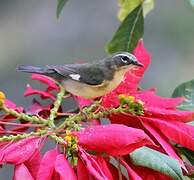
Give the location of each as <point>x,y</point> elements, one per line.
<point>99,151</point>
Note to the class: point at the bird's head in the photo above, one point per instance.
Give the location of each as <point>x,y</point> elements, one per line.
<point>124,60</point>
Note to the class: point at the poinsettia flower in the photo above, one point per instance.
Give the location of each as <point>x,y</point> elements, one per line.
<point>38,109</point>
<point>112,139</point>
<point>178,132</point>
<point>33,163</point>
<point>12,105</point>
<point>161,118</point>
<point>46,80</point>
<point>100,167</point>
<point>131,173</point>
<point>21,172</point>
<point>29,168</point>
<point>149,174</point>
<point>82,172</point>
<point>43,94</point>
<point>94,167</point>
<point>54,166</point>
<point>19,151</point>
<point>82,102</point>
<point>85,172</point>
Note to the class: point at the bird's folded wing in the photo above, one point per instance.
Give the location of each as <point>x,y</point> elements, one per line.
<point>85,73</point>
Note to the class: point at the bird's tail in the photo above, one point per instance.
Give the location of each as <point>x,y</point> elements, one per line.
<point>32,69</point>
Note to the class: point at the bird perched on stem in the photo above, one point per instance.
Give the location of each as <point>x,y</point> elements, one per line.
<point>89,80</point>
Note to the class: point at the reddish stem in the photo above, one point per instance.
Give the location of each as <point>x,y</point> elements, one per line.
<point>21,125</point>
<point>10,132</point>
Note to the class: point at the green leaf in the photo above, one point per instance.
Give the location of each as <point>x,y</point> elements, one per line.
<point>185,90</point>
<point>188,153</point>
<point>148,5</point>
<point>157,161</point>
<point>60,5</point>
<point>191,2</point>
<point>129,32</point>
<point>127,6</point>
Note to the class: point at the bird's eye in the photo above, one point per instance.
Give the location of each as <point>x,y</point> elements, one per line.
<point>125,59</point>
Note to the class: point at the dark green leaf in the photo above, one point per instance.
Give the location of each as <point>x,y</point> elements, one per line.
<point>60,5</point>
<point>185,90</point>
<point>188,153</point>
<point>129,32</point>
<point>191,2</point>
<point>157,161</point>
<point>126,7</point>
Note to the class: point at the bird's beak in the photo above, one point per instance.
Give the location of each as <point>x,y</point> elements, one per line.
<point>137,63</point>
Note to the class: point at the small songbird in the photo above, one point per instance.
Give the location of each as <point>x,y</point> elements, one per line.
<point>89,80</point>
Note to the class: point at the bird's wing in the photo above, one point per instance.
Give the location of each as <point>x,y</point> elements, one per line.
<point>85,73</point>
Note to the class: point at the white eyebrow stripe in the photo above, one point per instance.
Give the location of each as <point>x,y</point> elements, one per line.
<point>75,76</point>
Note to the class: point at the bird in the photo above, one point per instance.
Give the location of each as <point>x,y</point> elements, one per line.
<point>89,80</point>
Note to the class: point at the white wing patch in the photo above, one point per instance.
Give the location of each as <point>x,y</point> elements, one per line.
<point>75,76</point>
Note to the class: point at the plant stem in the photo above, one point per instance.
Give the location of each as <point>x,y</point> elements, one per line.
<point>25,117</point>
<point>57,139</point>
<point>22,136</point>
<point>74,120</point>
<point>54,110</point>
<point>22,125</point>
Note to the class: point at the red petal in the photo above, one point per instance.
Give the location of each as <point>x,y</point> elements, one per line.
<point>169,115</point>
<point>131,173</point>
<point>126,119</point>
<point>92,166</point>
<point>21,172</point>
<point>150,98</point>
<point>35,108</point>
<point>46,80</point>
<point>82,172</point>
<point>63,168</point>
<point>149,174</point>
<point>30,91</point>
<point>12,105</point>
<point>33,163</point>
<point>82,102</point>
<point>163,141</point>
<point>20,151</point>
<point>114,172</point>
<point>179,132</point>
<point>104,166</point>
<point>113,139</point>
<point>110,100</point>
<point>55,176</point>
<point>47,163</point>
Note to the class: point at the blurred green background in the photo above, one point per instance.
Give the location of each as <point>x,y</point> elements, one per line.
<point>31,34</point>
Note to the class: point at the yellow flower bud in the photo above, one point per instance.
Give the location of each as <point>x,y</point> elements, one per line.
<point>74,147</point>
<point>122,96</point>
<point>2,96</point>
<point>68,138</point>
<point>131,98</point>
